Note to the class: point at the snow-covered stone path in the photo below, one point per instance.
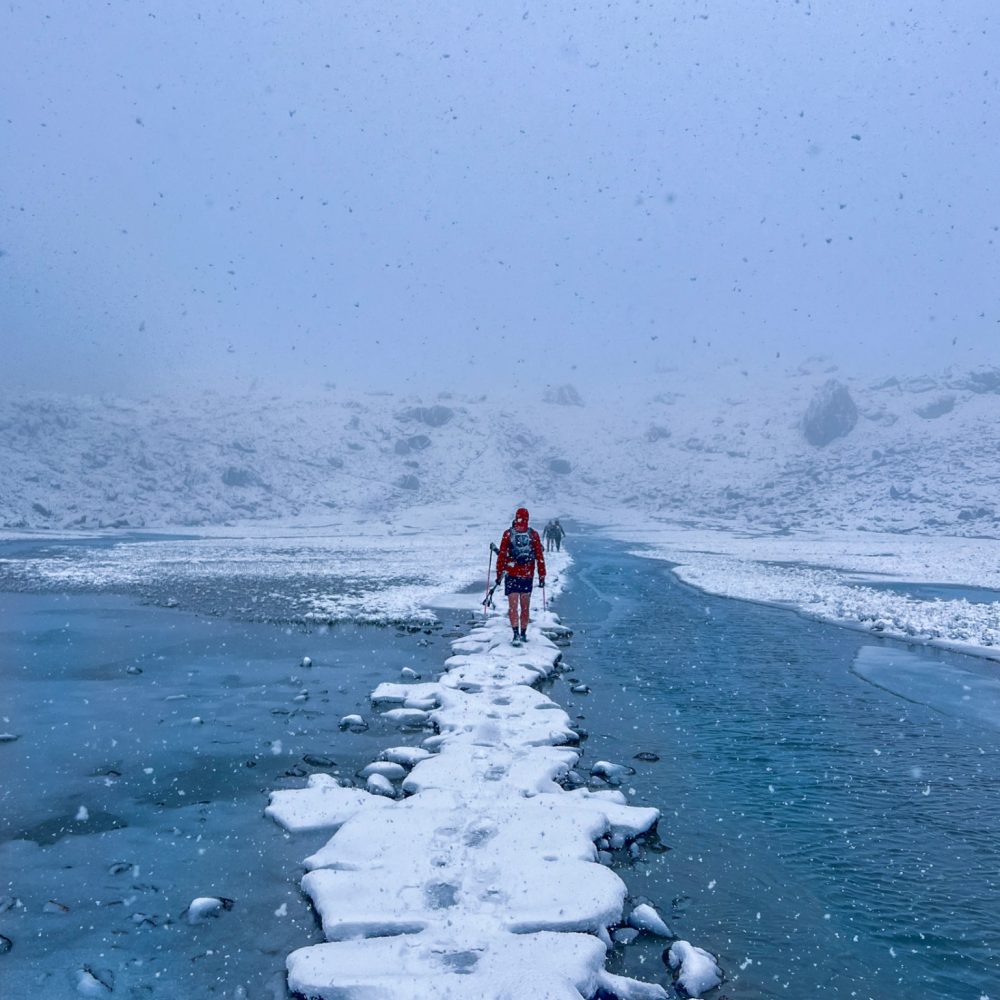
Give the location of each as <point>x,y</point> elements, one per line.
<point>466,870</point>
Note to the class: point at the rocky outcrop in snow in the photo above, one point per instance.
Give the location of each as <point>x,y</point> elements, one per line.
<point>563,395</point>
<point>831,414</point>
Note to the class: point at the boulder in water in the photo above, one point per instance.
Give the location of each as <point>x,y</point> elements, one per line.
<point>610,771</point>
<point>353,722</point>
<point>645,918</point>
<point>698,971</point>
<point>204,907</point>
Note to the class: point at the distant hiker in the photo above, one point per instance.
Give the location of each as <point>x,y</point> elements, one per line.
<point>548,538</point>
<point>558,533</point>
<point>520,550</point>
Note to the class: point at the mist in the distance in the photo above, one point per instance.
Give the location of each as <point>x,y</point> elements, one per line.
<point>293,195</point>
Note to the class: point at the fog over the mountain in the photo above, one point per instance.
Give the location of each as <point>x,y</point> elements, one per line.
<point>437,196</point>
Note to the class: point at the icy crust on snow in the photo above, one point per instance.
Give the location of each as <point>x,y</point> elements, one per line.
<point>482,880</point>
<point>834,577</point>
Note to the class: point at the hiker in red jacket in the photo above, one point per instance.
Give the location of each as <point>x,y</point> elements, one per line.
<point>520,549</point>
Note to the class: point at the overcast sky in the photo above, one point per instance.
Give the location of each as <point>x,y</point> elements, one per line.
<point>449,195</point>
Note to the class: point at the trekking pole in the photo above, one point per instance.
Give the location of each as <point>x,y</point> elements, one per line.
<point>488,599</point>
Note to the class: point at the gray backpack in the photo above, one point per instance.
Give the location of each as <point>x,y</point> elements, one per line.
<point>521,550</point>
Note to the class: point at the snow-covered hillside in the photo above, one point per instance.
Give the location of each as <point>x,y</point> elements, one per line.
<point>911,455</point>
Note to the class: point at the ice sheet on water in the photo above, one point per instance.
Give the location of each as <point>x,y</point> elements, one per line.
<point>968,691</point>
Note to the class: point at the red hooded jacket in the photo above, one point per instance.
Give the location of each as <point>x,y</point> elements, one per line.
<point>521,570</point>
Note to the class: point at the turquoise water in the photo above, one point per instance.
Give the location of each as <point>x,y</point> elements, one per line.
<point>147,743</point>
<point>828,836</point>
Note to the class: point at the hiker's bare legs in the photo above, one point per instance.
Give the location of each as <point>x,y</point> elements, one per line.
<point>512,609</point>
<point>518,621</point>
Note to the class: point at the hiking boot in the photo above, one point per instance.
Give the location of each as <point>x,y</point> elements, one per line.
<point>524,636</point>
<point>516,641</point>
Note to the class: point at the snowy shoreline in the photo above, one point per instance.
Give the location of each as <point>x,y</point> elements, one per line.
<point>833,577</point>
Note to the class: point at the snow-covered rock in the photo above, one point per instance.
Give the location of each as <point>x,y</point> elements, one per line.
<point>205,907</point>
<point>644,917</point>
<point>696,969</point>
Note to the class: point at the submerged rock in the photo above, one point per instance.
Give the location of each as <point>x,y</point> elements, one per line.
<point>318,760</point>
<point>354,723</point>
<point>91,982</point>
<point>201,909</point>
<point>610,771</point>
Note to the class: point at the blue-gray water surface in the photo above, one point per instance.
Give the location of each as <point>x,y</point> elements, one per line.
<point>829,836</point>
<point>138,748</point>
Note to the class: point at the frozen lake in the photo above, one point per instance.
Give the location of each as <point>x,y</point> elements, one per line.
<point>829,800</point>
<point>148,741</point>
